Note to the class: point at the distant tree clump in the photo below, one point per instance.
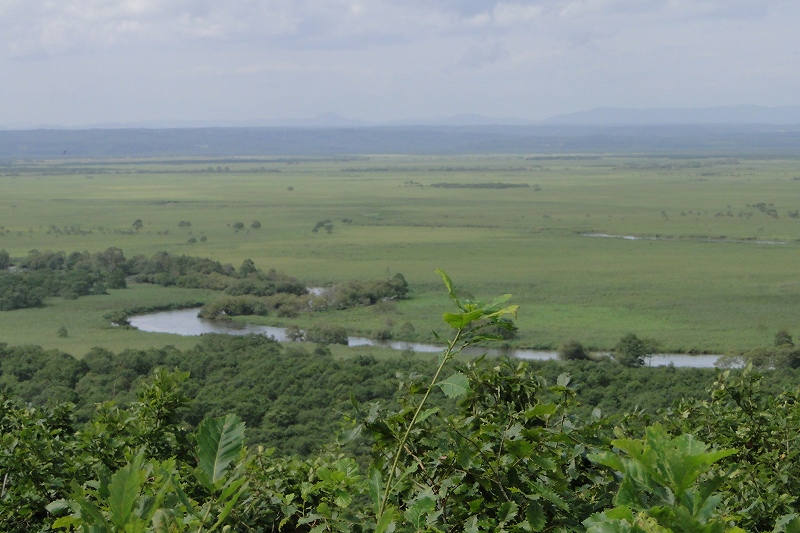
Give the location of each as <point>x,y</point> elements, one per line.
<point>5,260</point>
<point>783,354</point>
<point>492,185</point>
<point>573,351</point>
<point>234,306</point>
<point>256,224</point>
<point>46,274</point>
<point>632,351</point>
<point>238,225</point>
<point>137,224</point>
<point>326,334</point>
<point>357,293</point>
<point>326,224</point>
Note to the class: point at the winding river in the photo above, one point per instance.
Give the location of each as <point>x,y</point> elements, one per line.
<point>186,322</point>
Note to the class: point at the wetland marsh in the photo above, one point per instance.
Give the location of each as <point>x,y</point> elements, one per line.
<point>698,274</point>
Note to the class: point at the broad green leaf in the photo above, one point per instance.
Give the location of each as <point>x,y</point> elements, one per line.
<point>455,386</point>
<point>462,320</point>
<point>541,410</point>
<point>601,523</point>
<point>534,514</point>
<point>386,522</point>
<point>375,487</point>
<point>342,498</point>
<point>123,491</point>
<point>497,302</point>
<point>58,506</point>
<point>69,523</point>
<point>219,442</point>
<point>788,524</point>
<point>498,313</point>
<point>507,512</point>
<point>471,525</point>
<point>418,512</point>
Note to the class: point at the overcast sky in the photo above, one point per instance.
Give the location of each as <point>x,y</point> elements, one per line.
<point>79,62</point>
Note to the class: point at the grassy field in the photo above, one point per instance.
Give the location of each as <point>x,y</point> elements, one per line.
<point>85,325</point>
<point>713,267</point>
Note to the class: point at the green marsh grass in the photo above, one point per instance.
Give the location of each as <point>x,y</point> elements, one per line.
<point>86,326</point>
<point>682,289</point>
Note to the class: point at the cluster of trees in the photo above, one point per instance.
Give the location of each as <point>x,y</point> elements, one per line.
<point>247,290</point>
<point>783,355</point>
<point>630,351</point>
<point>45,274</point>
<point>260,294</point>
<point>326,224</point>
<point>355,293</point>
<point>285,395</point>
<point>633,351</point>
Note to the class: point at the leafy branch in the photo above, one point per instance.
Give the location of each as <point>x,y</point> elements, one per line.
<point>468,324</point>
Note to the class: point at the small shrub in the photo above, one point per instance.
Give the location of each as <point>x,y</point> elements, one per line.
<point>327,334</point>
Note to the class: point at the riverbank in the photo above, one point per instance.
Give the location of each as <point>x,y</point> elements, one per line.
<point>185,322</point>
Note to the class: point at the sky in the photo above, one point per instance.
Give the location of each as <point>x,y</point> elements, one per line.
<point>87,62</point>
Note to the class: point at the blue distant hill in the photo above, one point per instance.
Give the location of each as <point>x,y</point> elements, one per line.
<point>743,114</point>
<point>553,138</point>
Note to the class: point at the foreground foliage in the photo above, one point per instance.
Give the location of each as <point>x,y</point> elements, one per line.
<point>501,450</point>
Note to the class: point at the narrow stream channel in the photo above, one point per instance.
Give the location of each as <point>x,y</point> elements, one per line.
<point>186,322</point>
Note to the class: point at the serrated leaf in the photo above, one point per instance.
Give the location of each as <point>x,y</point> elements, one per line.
<point>534,514</point>
<point>219,442</point>
<point>455,386</point>
<point>507,512</point>
<point>788,524</point>
<point>386,522</point>
<point>375,485</point>
<point>123,491</point>
<point>416,515</point>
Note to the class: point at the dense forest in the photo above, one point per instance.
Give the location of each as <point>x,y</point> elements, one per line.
<point>512,451</point>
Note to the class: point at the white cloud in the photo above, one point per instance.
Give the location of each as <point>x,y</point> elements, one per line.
<point>391,58</point>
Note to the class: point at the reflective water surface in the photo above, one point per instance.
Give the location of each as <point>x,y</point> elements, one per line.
<point>186,322</point>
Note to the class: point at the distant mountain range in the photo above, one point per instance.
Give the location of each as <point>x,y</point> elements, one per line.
<point>729,140</point>
<point>743,114</point>
<point>605,116</point>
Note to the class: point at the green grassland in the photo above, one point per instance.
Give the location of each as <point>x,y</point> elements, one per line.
<point>700,278</point>
<point>85,325</point>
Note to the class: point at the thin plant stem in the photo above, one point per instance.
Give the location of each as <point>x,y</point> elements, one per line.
<point>448,354</point>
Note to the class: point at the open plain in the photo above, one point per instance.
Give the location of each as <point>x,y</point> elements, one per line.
<point>699,253</point>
